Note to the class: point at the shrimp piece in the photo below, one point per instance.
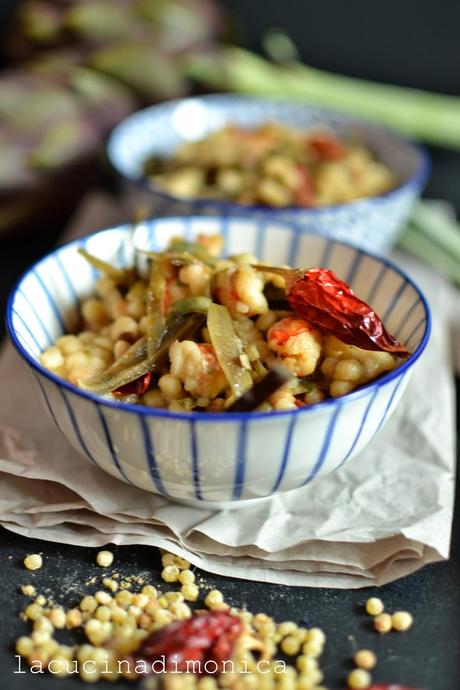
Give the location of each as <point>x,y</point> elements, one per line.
<point>296,343</point>
<point>241,291</point>
<point>196,366</point>
<point>213,243</point>
<point>283,399</point>
<point>195,277</point>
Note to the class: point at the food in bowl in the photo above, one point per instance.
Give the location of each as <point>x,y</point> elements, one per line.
<point>191,331</point>
<point>371,223</point>
<point>272,165</point>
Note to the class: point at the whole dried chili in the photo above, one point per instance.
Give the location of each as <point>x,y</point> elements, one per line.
<point>137,387</point>
<point>209,637</point>
<point>325,301</point>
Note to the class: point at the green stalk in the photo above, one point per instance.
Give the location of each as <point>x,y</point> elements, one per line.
<point>432,117</point>
<point>437,226</point>
<point>422,246</point>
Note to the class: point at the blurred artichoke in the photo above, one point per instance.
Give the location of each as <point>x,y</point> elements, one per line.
<point>80,67</point>
<point>153,75</point>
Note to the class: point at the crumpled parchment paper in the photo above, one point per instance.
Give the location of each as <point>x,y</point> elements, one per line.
<point>383,515</point>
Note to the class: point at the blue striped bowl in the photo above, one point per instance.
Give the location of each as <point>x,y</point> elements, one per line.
<point>214,459</point>
<point>372,223</point>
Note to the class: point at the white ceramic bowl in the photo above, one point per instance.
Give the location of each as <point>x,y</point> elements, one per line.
<point>372,223</point>
<point>214,459</point>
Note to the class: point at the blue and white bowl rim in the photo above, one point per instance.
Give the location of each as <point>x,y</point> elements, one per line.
<point>416,181</point>
<point>219,416</point>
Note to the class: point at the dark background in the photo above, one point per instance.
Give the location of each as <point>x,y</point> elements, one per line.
<point>408,42</point>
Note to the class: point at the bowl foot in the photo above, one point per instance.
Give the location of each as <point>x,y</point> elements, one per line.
<point>215,506</point>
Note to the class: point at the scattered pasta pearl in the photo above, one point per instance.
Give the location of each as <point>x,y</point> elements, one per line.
<point>374,606</point>
<point>170,573</point>
<point>57,617</point>
<point>312,648</point>
<point>24,646</point>
<point>306,664</point>
<point>365,659</point>
<point>290,645</point>
<point>287,628</point>
<point>74,618</point>
<point>150,591</point>
<point>33,561</point>
<point>104,559</point>
<point>103,597</point>
<point>33,611</point>
<point>383,623</point>
<point>402,621</point>
<point>186,577</point>
<point>359,679</point>
<point>214,598</point>
<point>316,635</point>
<point>88,603</point>
<point>190,591</point>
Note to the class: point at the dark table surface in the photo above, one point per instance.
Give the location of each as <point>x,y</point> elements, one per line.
<point>427,656</point>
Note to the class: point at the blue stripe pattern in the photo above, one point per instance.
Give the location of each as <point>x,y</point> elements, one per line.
<point>110,446</point>
<point>407,316</point>
<point>377,283</point>
<point>326,254</point>
<point>76,428</point>
<point>29,331</point>
<point>260,238</point>
<point>51,301</point>
<point>415,330</point>
<point>67,280</point>
<point>285,458</point>
<point>224,222</point>
<point>150,454</point>
<point>325,447</point>
<point>187,227</point>
<point>354,267</point>
<point>361,427</point>
<point>238,483</point>
<point>195,461</point>
<point>294,247</point>
<point>395,300</point>
<point>48,339</point>
<point>93,270</point>
<point>48,404</point>
<point>389,403</point>
<point>120,255</point>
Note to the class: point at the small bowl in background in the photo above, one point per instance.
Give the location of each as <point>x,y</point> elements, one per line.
<point>214,459</point>
<point>371,223</point>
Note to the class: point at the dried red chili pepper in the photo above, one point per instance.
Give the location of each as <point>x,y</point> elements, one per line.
<point>325,301</point>
<point>137,387</point>
<point>327,146</point>
<point>209,637</point>
<point>328,302</point>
